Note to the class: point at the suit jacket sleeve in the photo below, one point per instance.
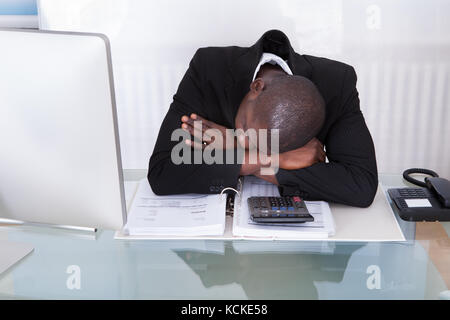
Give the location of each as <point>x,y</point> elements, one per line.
<point>164,176</point>
<point>350,177</point>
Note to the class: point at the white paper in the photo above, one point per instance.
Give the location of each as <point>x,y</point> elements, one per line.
<point>321,227</point>
<point>130,190</point>
<point>180,215</point>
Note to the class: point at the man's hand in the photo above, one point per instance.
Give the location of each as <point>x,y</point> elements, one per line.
<point>303,157</point>
<point>208,133</point>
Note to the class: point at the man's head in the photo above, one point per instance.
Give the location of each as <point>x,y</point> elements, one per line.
<point>291,104</point>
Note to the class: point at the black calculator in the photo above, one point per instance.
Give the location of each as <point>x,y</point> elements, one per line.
<point>291,209</point>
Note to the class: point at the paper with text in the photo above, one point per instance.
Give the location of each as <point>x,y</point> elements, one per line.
<point>321,227</point>
<point>179,215</point>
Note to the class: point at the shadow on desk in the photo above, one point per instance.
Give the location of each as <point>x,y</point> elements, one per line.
<point>269,275</point>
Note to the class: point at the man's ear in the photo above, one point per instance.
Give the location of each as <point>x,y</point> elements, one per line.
<point>257,86</point>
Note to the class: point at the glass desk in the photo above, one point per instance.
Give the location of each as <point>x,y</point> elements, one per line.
<point>212,269</point>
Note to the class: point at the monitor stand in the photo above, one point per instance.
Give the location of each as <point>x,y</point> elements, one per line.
<point>10,222</point>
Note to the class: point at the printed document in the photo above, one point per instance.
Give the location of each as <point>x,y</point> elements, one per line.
<point>178,215</point>
<point>321,227</point>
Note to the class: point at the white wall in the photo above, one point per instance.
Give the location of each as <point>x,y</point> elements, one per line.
<point>400,49</point>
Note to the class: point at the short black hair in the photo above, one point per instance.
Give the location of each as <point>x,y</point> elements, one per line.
<point>294,106</point>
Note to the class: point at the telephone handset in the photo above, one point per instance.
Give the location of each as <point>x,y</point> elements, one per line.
<point>429,203</point>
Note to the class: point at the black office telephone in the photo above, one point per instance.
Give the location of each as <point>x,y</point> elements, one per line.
<point>431,202</point>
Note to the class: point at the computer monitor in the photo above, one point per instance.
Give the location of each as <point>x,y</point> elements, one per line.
<point>59,147</point>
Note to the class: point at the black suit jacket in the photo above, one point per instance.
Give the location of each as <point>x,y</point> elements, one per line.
<point>214,85</point>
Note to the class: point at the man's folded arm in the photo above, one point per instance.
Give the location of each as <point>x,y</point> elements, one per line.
<point>350,177</point>
<point>166,177</point>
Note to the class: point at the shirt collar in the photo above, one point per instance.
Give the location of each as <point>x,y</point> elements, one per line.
<point>272,59</point>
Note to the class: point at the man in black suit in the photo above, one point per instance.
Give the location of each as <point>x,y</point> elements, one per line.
<point>222,84</point>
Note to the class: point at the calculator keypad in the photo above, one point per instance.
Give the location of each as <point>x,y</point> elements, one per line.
<point>278,209</point>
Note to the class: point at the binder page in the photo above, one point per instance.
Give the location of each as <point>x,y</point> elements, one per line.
<point>243,226</point>
<point>179,215</point>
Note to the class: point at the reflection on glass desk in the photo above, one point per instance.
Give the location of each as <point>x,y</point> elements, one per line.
<point>105,268</point>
